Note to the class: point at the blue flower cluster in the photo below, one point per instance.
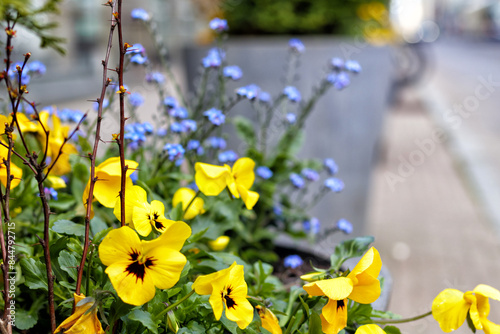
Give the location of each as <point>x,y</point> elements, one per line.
<point>137,54</point>
<point>195,145</point>
<point>218,25</point>
<point>233,72</point>
<point>217,143</point>
<point>215,116</point>
<point>334,184</point>
<point>296,45</point>
<point>252,92</point>
<point>70,115</point>
<point>34,67</point>
<point>227,156</point>
<point>136,133</point>
<point>136,100</point>
<point>155,77</point>
<point>140,14</point>
<point>344,226</point>
<point>292,94</point>
<point>297,180</point>
<point>310,174</point>
<point>331,166</point>
<point>264,172</point>
<point>214,58</point>
<point>339,78</point>
<point>175,153</point>
<point>292,261</point>
<point>312,225</point>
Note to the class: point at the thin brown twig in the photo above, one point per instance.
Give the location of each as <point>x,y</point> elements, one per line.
<point>92,156</point>
<point>122,114</point>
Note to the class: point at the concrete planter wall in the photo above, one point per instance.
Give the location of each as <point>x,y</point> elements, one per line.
<point>345,125</point>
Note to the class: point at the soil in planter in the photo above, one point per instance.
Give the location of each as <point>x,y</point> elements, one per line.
<point>291,276</point>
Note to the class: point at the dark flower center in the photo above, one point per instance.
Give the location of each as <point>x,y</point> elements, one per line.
<point>136,268</point>
<point>340,304</point>
<point>230,303</point>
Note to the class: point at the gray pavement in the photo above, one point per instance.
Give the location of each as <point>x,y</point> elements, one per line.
<point>429,226</point>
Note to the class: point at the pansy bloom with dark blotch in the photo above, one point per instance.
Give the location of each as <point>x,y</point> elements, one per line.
<point>141,215</point>
<point>227,289</point>
<point>136,267</point>
<point>360,285</point>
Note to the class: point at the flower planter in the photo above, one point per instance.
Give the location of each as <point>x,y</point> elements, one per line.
<point>322,261</point>
<point>345,125</point>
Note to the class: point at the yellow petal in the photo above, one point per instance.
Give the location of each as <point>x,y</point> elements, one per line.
<point>81,322</point>
<point>269,320</point>
<point>450,309</point>
<point>335,313</point>
<point>134,196</point>
<point>367,290</point>
<point>112,166</point>
<point>243,172</point>
<point>241,313</point>
<point>473,312</point>
<point>184,196</point>
<point>210,179</point>
<point>370,329</point>
<point>118,245</point>
<point>334,288</point>
<point>370,264</point>
<point>56,182</point>
<point>249,197</point>
<point>487,291</point>
<point>141,219</point>
<point>215,301</point>
<point>129,287</point>
<point>25,124</point>
<point>167,266</point>
<point>220,243</point>
<point>106,189</point>
<point>174,237</point>
<point>490,327</point>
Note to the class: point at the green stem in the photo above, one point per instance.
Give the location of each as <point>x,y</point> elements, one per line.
<point>190,202</point>
<point>174,305</point>
<point>401,321</point>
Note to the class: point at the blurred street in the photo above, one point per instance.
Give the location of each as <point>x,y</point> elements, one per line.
<point>434,197</point>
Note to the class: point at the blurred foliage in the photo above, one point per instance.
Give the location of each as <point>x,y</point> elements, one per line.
<point>294,16</point>
<point>35,19</point>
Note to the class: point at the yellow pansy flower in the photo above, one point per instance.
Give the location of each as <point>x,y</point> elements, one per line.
<point>108,185</point>
<point>220,243</point>
<point>370,329</point>
<point>56,182</point>
<point>360,285</point>
<point>211,180</point>
<point>135,267</point>
<point>81,321</point>
<point>14,170</point>
<point>140,215</point>
<point>269,320</point>
<point>451,306</point>
<point>227,289</point>
<point>185,196</point>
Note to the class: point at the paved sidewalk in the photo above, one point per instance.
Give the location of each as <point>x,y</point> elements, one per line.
<point>428,228</point>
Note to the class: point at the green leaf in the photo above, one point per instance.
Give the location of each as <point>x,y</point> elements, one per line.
<point>177,212</point>
<point>97,225</point>
<point>144,318</point>
<point>34,273</point>
<point>192,328</point>
<point>25,320</point>
<point>231,326</point>
<point>315,324</point>
<point>349,249</point>
<point>64,226</point>
<point>392,330</point>
<point>63,203</point>
<point>68,263</point>
<point>245,130</point>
